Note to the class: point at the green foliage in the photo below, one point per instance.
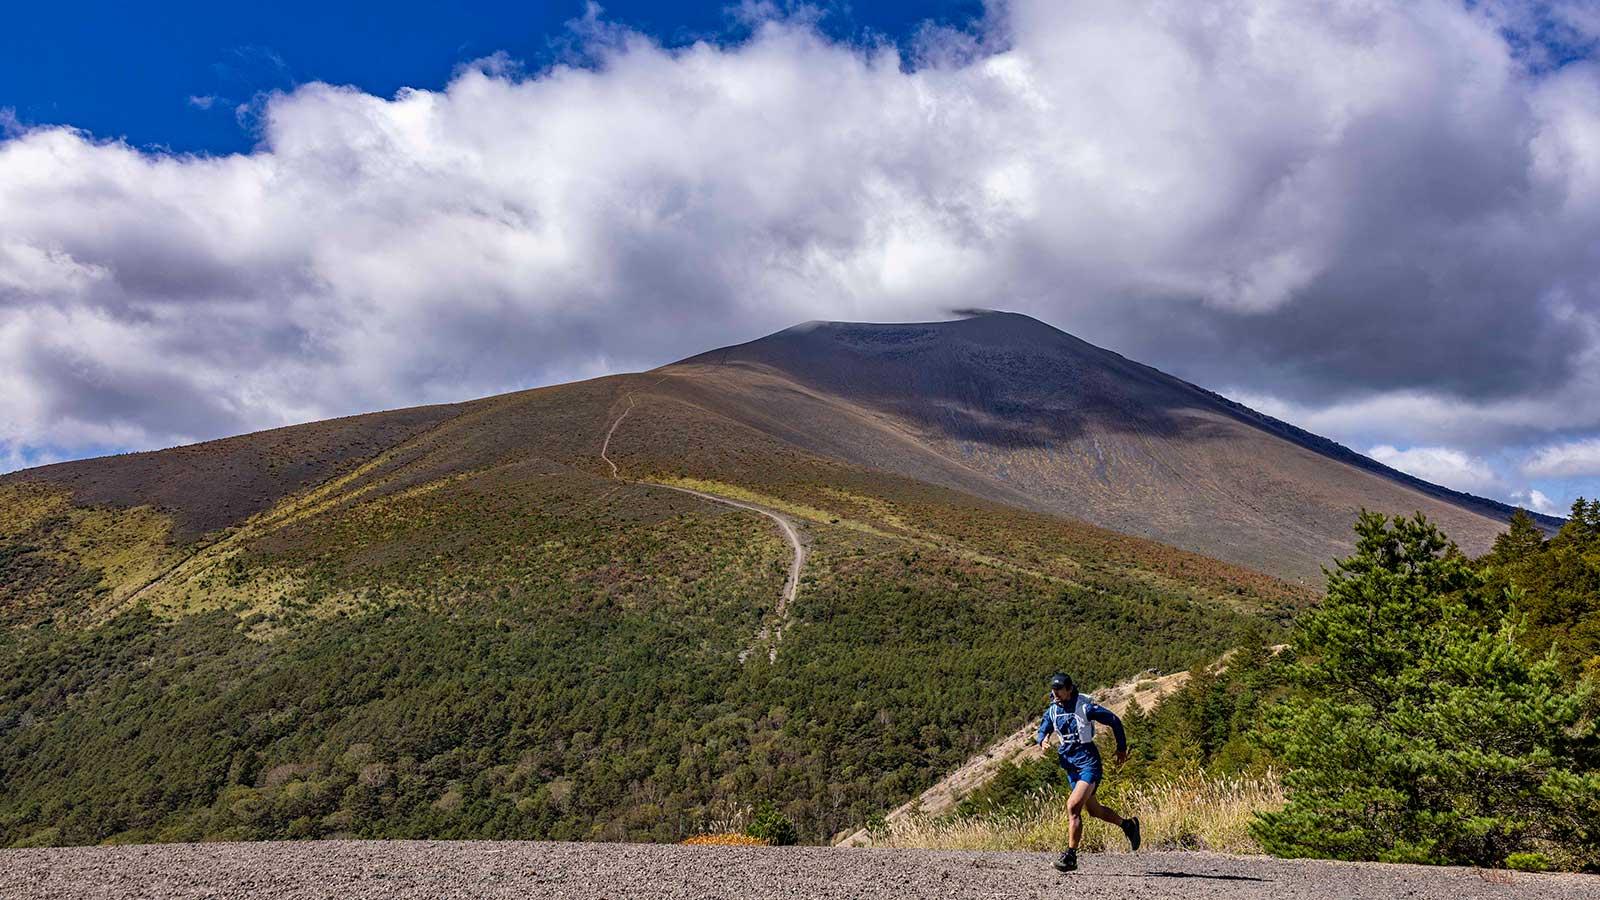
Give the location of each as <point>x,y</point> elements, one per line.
<point>1554,584</point>
<point>1418,734</point>
<point>1011,787</point>
<point>1521,542</point>
<point>771,826</point>
<point>1423,722</point>
<point>1525,861</point>
<point>877,825</point>
<point>596,708</point>
<point>528,651</point>
<point>1207,725</point>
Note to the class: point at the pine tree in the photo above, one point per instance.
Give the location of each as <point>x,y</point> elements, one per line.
<point>1419,735</point>
<point>1555,588</point>
<point>1583,522</point>
<point>1521,541</point>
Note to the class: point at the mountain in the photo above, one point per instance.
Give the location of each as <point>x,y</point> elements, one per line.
<point>998,405</point>
<point>1005,406</point>
<point>565,612</point>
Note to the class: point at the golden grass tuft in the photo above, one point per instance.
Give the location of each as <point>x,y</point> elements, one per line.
<point>1192,812</point>
<point>724,839</point>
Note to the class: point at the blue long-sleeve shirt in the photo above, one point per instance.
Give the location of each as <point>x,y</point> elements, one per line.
<point>1062,719</point>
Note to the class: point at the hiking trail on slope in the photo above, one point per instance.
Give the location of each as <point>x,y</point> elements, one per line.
<point>770,635</point>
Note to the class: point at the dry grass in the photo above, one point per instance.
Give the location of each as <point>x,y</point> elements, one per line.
<point>1194,812</point>
<point>724,839</point>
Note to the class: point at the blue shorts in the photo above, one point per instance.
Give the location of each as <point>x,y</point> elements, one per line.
<point>1080,766</point>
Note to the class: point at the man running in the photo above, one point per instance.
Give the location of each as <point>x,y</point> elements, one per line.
<point>1072,716</point>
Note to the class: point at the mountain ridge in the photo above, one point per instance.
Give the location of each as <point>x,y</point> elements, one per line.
<point>1054,423</point>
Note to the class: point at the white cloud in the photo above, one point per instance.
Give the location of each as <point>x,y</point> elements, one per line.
<point>1572,459</point>
<point>1535,500</point>
<point>1441,465</point>
<point>1408,417</point>
<point>1381,191</point>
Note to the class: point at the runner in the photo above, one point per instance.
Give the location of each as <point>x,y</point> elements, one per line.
<point>1072,716</point>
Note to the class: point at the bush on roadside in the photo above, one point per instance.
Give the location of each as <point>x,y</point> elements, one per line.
<point>772,826</point>
<point>724,839</point>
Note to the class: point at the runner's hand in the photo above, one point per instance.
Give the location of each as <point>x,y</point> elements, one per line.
<point>1122,757</point>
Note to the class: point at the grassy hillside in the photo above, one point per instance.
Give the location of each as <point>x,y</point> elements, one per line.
<point>476,631</point>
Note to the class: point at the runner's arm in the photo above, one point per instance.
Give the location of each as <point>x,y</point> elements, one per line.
<point>1045,726</point>
<point>1107,717</point>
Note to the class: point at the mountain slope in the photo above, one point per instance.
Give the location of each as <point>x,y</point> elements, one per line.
<point>1006,406</point>
<point>997,405</point>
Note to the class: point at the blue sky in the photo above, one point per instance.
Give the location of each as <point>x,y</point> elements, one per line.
<point>172,74</point>
<point>1374,220</point>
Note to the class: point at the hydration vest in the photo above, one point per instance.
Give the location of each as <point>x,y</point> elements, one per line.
<point>1072,726</point>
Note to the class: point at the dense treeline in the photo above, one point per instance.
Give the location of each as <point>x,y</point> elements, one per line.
<point>1553,584</point>
<point>1429,723</point>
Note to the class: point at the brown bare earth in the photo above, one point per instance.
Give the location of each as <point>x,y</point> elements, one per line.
<point>355,870</point>
<point>253,498</point>
<point>219,483</point>
<point>1007,407</point>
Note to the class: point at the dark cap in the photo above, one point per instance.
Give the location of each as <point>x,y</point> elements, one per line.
<point>1060,680</point>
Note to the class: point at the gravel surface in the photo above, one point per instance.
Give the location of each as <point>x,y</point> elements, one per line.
<point>523,869</point>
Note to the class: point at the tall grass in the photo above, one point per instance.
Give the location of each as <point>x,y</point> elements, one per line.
<point>1191,812</point>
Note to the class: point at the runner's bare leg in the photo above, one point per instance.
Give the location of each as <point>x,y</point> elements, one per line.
<point>1095,808</point>
<point>1075,803</point>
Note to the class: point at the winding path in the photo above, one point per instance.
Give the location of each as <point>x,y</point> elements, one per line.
<point>606,445</point>
<point>791,533</point>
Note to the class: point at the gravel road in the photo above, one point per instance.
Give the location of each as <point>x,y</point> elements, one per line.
<point>350,870</point>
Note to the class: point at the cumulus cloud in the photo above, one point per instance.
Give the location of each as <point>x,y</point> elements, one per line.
<point>1339,208</point>
<point>1441,465</point>
<point>1535,500</point>
<point>1572,459</point>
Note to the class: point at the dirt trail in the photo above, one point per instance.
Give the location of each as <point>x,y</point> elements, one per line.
<point>367,870</point>
<point>771,635</point>
<point>791,586</point>
<point>606,446</point>
<point>1145,689</point>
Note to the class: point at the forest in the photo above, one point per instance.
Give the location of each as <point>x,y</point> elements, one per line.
<point>558,681</point>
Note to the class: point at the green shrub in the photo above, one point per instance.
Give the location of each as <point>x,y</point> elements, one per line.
<point>1525,861</point>
<point>772,826</point>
